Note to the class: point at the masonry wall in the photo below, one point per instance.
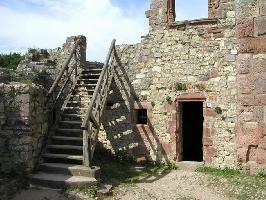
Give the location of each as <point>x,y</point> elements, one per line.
<point>251,82</point>
<point>23,126</point>
<point>25,119</point>
<point>199,54</point>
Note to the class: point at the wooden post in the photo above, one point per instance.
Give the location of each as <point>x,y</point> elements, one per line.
<point>86,149</point>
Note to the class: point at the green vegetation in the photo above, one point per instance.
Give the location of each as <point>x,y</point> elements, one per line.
<point>169,100</point>
<point>200,87</point>
<point>88,191</point>
<point>10,61</point>
<point>235,184</point>
<point>180,86</point>
<point>218,110</point>
<point>120,169</point>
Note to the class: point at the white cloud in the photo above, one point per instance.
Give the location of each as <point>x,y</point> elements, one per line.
<point>98,20</point>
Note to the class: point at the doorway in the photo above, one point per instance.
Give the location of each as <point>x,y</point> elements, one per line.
<point>192,131</point>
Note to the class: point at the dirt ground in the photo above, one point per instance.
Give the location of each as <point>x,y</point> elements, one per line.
<point>178,184</point>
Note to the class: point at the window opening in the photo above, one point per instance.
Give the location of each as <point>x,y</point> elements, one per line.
<point>142,117</point>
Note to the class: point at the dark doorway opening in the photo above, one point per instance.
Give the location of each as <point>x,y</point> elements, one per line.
<point>192,131</point>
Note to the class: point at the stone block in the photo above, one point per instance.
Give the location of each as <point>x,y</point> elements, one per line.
<point>243,63</point>
<point>260,84</point>
<point>210,152</point>
<point>210,112</point>
<point>245,27</point>
<point>246,100</point>
<point>262,7</point>
<point>260,26</point>
<point>246,8</point>
<point>260,100</point>
<point>261,156</point>
<point>207,141</point>
<point>245,86</point>
<point>230,58</point>
<point>253,45</point>
<point>248,133</point>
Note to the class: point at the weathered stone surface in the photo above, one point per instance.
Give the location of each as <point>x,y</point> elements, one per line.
<point>245,27</point>
<point>260,26</point>
<point>23,128</point>
<point>253,45</point>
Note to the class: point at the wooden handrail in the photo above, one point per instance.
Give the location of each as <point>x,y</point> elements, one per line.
<point>97,88</point>
<point>65,66</point>
<point>91,123</point>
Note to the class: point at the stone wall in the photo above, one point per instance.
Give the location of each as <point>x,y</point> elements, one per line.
<point>23,125</point>
<point>24,116</point>
<point>198,55</point>
<point>251,82</point>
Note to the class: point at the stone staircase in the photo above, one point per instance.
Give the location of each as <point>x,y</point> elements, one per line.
<point>62,161</point>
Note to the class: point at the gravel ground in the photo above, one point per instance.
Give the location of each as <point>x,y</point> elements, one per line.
<point>177,184</point>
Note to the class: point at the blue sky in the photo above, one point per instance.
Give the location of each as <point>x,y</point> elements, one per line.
<point>46,23</point>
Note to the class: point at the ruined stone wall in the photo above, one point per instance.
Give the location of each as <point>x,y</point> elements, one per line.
<point>44,65</point>
<point>197,55</point>
<point>24,116</point>
<point>23,125</point>
<point>251,82</point>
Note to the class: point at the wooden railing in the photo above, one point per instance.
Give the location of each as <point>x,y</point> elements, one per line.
<point>53,95</point>
<point>91,122</point>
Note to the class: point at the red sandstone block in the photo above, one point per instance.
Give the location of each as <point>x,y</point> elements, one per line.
<point>213,98</point>
<point>172,127</point>
<point>246,99</point>
<point>260,100</point>
<point>208,132</point>
<point>194,96</point>
<point>253,45</point>
<point>260,83</point>
<point>242,154</point>
<point>210,112</point>
<point>261,156</point>
<point>248,133</point>
<point>245,27</point>
<point>244,63</point>
<point>166,149</point>
<point>258,65</point>
<point>262,145</point>
<point>207,141</point>
<point>210,151</point>
<point>245,86</point>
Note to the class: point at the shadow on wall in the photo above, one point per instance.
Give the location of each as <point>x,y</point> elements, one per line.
<point>125,136</point>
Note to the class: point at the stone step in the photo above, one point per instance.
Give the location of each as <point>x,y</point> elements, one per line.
<point>76,102</point>
<point>73,115</point>
<point>71,122</point>
<point>74,108</point>
<point>189,165</point>
<point>89,79</point>
<point>89,76</point>
<point>86,85</point>
<point>67,140</point>
<point>89,91</point>
<point>63,156</point>
<point>64,147</point>
<point>70,169</point>
<point>91,70</point>
<point>60,180</point>
<point>64,138</point>
<point>69,130</point>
